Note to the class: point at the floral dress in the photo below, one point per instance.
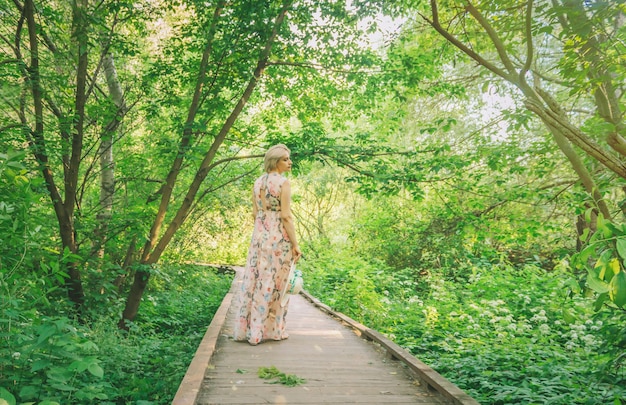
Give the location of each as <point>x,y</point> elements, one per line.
<point>261,316</point>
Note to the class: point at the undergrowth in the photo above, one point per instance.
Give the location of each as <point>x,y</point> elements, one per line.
<point>49,360</point>
<point>504,335</point>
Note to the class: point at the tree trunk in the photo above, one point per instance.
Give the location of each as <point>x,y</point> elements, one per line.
<point>622,205</point>
<point>128,261</point>
<point>107,164</point>
<point>582,224</point>
<point>64,210</point>
<point>581,170</point>
<point>606,94</point>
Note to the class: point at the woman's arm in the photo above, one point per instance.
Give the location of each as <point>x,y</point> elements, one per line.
<point>255,209</point>
<point>287,217</point>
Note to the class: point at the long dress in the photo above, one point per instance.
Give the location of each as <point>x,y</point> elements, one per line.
<point>261,316</point>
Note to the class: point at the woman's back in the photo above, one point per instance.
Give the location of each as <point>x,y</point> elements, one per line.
<point>267,190</point>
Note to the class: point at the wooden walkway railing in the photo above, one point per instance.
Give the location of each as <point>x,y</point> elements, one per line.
<point>341,360</point>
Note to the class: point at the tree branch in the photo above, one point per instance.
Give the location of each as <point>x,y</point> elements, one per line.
<point>495,39</point>
<point>554,118</point>
<point>529,42</point>
<point>222,185</point>
<point>435,23</point>
<point>206,165</point>
<point>10,126</point>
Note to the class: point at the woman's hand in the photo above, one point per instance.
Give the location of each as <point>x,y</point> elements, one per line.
<point>296,253</point>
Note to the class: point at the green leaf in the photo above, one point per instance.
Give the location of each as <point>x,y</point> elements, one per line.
<point>609,270</point>
<point>573,285</point>
<point>595,283</point>
<point>584,254</point>
<point>602,267</point>
<point>96,370</point>
<point>78,365</point>
<point>620,244</point>
<point>583,237</point>
<point>290,380</point>
<point>63,387</point>
<point>568,317</point>
<point>29,392</point>
<point>6,398</point>
<point>604,259</point>
<point>588,213</point>
<point>268,372</point>
<point>45,331</point>
<point>617,229</point>
<point>617,289</point>
<point>602,298</point>
<point>40,365</point>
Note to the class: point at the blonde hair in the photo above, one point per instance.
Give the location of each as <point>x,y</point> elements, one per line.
<point>273,155</point>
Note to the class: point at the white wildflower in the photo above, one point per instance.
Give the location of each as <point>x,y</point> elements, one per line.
<point>544,328</point>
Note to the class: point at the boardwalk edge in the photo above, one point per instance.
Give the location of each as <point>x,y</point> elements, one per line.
<point>421,370</point>
<point>189,388</point>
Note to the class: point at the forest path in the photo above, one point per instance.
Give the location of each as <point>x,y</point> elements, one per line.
<point>326,349</point>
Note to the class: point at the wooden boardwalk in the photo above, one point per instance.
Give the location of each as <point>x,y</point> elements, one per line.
<point>342,362</point>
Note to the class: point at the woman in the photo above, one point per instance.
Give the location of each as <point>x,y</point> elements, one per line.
<point>272,250</point>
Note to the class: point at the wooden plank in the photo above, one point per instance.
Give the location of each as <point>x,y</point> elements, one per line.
<point>339,367</point>
<point>427,374</point>
<point>315,399</point>
<point>423,372</point>
<point>334,358</point>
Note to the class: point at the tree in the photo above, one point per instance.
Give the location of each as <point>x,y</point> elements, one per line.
<point>283,38</point>
<point>71,125</point>
<point>205,86</point>
<point>107,163</point>
<point>509,50</point>
<point>577,94</point>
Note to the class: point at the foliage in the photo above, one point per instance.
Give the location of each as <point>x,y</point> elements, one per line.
<point>278,377</point>
<point>536,47</point>
<point>52,358</point>
<point>22,218</point>
<point>599,274</point>
<point>607,277</point>
<point>349,285</point>
<point>507,335</point>
<point>432,201</point>
<point>186,93</point>
<point>218,232</point>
